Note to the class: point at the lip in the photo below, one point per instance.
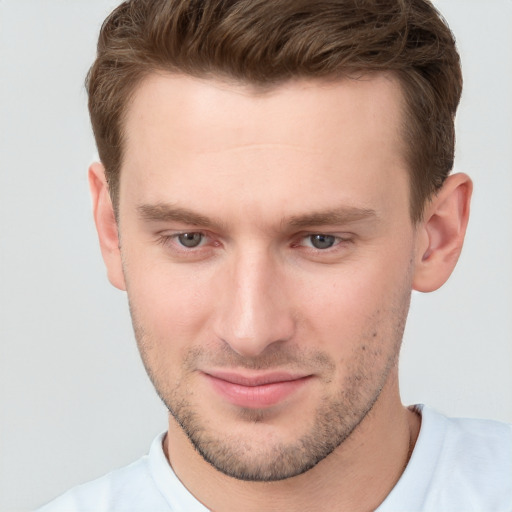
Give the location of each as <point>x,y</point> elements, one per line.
<point>255,391</point>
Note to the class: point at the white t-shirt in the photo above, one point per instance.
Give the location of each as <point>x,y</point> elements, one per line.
<point>458,465</point>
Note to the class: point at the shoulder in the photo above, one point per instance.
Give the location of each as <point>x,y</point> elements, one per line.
<point>469,441</point>
<point>479,451</point>
<point>473,462</point>
<point>122,489</point>
<point>131,488</point>
<point>148,484</point>
<point>458,464</point>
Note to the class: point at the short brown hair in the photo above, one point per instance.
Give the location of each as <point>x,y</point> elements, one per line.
<point>266,42</point>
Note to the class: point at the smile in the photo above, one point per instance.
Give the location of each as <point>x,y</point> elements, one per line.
<point>255,392</point>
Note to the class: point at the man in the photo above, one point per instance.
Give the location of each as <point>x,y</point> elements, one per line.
<point>274,182</point>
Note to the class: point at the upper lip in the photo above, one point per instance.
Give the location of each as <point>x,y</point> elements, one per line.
<point>259,379</point>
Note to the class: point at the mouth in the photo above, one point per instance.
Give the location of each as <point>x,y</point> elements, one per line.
<point>255,391</point>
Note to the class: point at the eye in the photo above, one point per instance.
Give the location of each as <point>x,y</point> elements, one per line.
<point>320,241</point>
<point>190,240</point>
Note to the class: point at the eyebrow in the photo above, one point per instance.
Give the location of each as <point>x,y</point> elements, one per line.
<point>336,216</point>
<point>165,212</point>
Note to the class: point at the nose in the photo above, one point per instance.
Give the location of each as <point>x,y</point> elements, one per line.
<point>254,310</point>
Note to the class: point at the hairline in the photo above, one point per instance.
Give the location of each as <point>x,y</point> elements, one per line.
<point>266,87</point>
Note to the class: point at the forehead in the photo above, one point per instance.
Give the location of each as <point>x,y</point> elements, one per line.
<point>187,104</point>
<point>341,137</point>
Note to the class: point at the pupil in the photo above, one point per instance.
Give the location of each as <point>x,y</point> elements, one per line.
<point>322,241</point>
<point>190,239</point>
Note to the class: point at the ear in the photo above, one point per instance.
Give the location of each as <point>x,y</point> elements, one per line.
<point>441,233</point>
<point>106,225</point>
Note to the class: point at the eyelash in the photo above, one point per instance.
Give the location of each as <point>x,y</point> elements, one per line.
<point>338,240</point>
<point>167,239</point>
<point>172,242</point>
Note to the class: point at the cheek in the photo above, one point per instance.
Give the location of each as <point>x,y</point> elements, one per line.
<point>357,303</point>
<point>340,297</point>
<point>168,302</point>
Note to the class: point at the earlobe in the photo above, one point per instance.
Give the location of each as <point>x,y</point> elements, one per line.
<point>106,225</point>
<point>441,233</point>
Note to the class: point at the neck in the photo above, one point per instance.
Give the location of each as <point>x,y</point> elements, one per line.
<point>357,476</point>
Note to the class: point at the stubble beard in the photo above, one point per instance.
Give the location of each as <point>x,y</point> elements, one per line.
<point>259,461</point>
<point>336,416</point>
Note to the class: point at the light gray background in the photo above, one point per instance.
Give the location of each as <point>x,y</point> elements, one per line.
<point>74,399</point>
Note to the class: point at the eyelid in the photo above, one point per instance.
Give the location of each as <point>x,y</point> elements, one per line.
<point>339,238</point>
<point>166,238</point>
<point>169,239</point>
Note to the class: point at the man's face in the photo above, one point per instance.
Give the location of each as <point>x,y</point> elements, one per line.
<point>268,254</point>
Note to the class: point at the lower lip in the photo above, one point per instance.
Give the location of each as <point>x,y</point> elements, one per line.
<point>256,397</point>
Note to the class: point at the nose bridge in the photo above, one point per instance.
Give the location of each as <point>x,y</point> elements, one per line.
<point>255,312</point>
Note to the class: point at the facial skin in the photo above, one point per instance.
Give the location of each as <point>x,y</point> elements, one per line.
<point>268,255</point>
